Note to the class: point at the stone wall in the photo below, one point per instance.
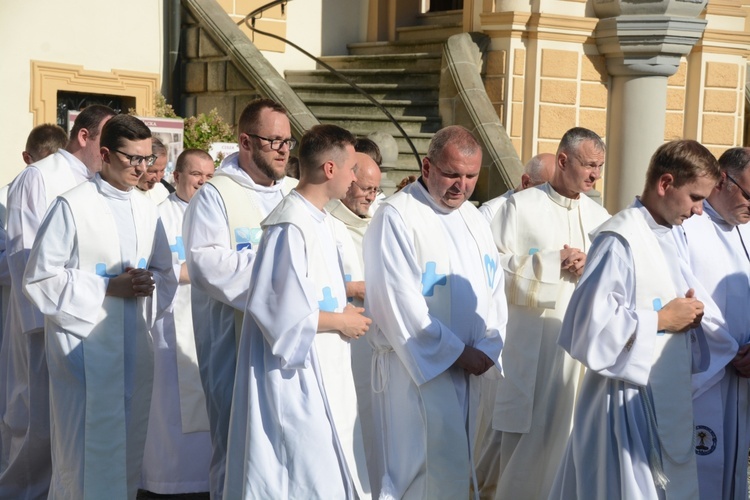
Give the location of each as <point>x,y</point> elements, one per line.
<point>210,78</point>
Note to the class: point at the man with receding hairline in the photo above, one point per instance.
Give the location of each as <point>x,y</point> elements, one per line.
<point>25,467</point>
<point>150,184</point>
<point>542,236</point>
<point>537,171</point>
<point>435,294</point>
<point>221,233</point>
<point>294,428</point>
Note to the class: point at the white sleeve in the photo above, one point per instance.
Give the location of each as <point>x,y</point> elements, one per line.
<point>602,327</point>
<point>214,267</point>
<point>394,300</point>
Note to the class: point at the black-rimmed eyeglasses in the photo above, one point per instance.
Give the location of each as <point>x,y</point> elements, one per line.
<point>136,160</point>
<point>277,144</point>
<point>745,194</point>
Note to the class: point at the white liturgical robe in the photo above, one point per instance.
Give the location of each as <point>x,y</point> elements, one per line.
<point>535,400</point>
<point>633,421</point>
<point>294,430</point>
<point>98,346</point>
<point>433,287</point>
<point>221,232</point>
<point>178,446</point>
<point>25,466</point>
<point>157,194</point>
<point>489,208</point>
<point>719,259</point>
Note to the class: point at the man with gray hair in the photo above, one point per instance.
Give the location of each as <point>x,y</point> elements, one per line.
<point>542,235</point>
<point>717,243</point>
<point>537,171</point>
<point>436,297</point>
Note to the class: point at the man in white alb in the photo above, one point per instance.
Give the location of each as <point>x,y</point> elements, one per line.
<point>294,431</point>
<point>634,322</point>
<point>537,171</point>
<point>221,232</point>
<point>24,387</point>
<point>178,445</point>
<point>717,243</point>
<point>435,294</point>
<point>543,236</point>
<point>353,211</point>
<point>101,273</point>
<point>150,183</point>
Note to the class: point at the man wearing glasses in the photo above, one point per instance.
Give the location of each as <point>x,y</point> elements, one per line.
<point>24,387</point>
<point>542,234</point>
<point>221,233</point>
<point>717,243</point>
<point>354,211</point>
<point>101,273</point>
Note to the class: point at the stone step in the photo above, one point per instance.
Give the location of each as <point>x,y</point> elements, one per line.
<point>398,47</point>
<point>424,61</point>
<point>410,124</point>
<point>361,105</point>
<point>398,76</point>
<point>440,18</point>
<point>380,91</point>
<point>428,32</point>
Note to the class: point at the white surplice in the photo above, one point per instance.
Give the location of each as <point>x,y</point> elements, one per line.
<point>719,258</point>
<point>25,466</point>
<point>489,208</point>
<point>220,276</point>
<point>157,194</point>
<point>98,347</point>
<point>178,446</point>
<point>623,421</point>
<point>294,430</point>
<point>535,400</point>
<point>433,287</point>
<point>351,251</point>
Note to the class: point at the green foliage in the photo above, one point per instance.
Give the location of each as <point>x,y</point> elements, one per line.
<point>204,129</point>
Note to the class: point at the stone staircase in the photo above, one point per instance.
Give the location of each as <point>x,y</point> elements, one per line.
<point>404,76</point>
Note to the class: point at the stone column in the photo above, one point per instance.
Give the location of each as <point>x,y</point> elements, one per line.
<point>643,43</point>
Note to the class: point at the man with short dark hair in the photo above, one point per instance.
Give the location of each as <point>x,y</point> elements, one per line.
<point>435,294</point>
<point>633,322</point>
<point>221,232</point>
<point>100,255</point>
<point>44,140</point>
<point>294,427</point>
<point>542,234</point>
<point>24,387</point>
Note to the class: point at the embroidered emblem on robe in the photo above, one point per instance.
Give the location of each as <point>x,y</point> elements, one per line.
<point>247,237</point>
<point>491,267</point>
<point>705,440</point>
<point>329,302</point>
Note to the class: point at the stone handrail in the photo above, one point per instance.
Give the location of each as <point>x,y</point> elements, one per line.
<point>464,101</point>
<point>250,62</point>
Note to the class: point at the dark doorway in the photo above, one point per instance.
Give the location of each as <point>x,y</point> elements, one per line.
<point>443,5</point>
<point>76,101</point>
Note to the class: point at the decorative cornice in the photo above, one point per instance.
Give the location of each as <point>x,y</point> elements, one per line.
<point>647,45</point>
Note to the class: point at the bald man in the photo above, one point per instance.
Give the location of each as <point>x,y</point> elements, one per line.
<point>537,171</point>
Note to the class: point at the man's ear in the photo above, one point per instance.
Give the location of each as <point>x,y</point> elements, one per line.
<point>83,136</point>
<point>426,167</point>
<point>105,154</point>
<point>27,159</point>
<point>328,168</point>
<point>562,160</point>
<point>525,181</point>
<point>665,181</point>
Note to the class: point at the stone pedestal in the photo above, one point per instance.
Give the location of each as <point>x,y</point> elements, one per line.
<point>643,45</point>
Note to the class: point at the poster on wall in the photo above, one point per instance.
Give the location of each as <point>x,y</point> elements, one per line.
<point>170,131</point>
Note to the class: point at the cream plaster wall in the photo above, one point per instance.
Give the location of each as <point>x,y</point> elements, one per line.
<point>102,36</point>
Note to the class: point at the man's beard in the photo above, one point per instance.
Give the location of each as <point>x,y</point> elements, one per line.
<point>266,167</point>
